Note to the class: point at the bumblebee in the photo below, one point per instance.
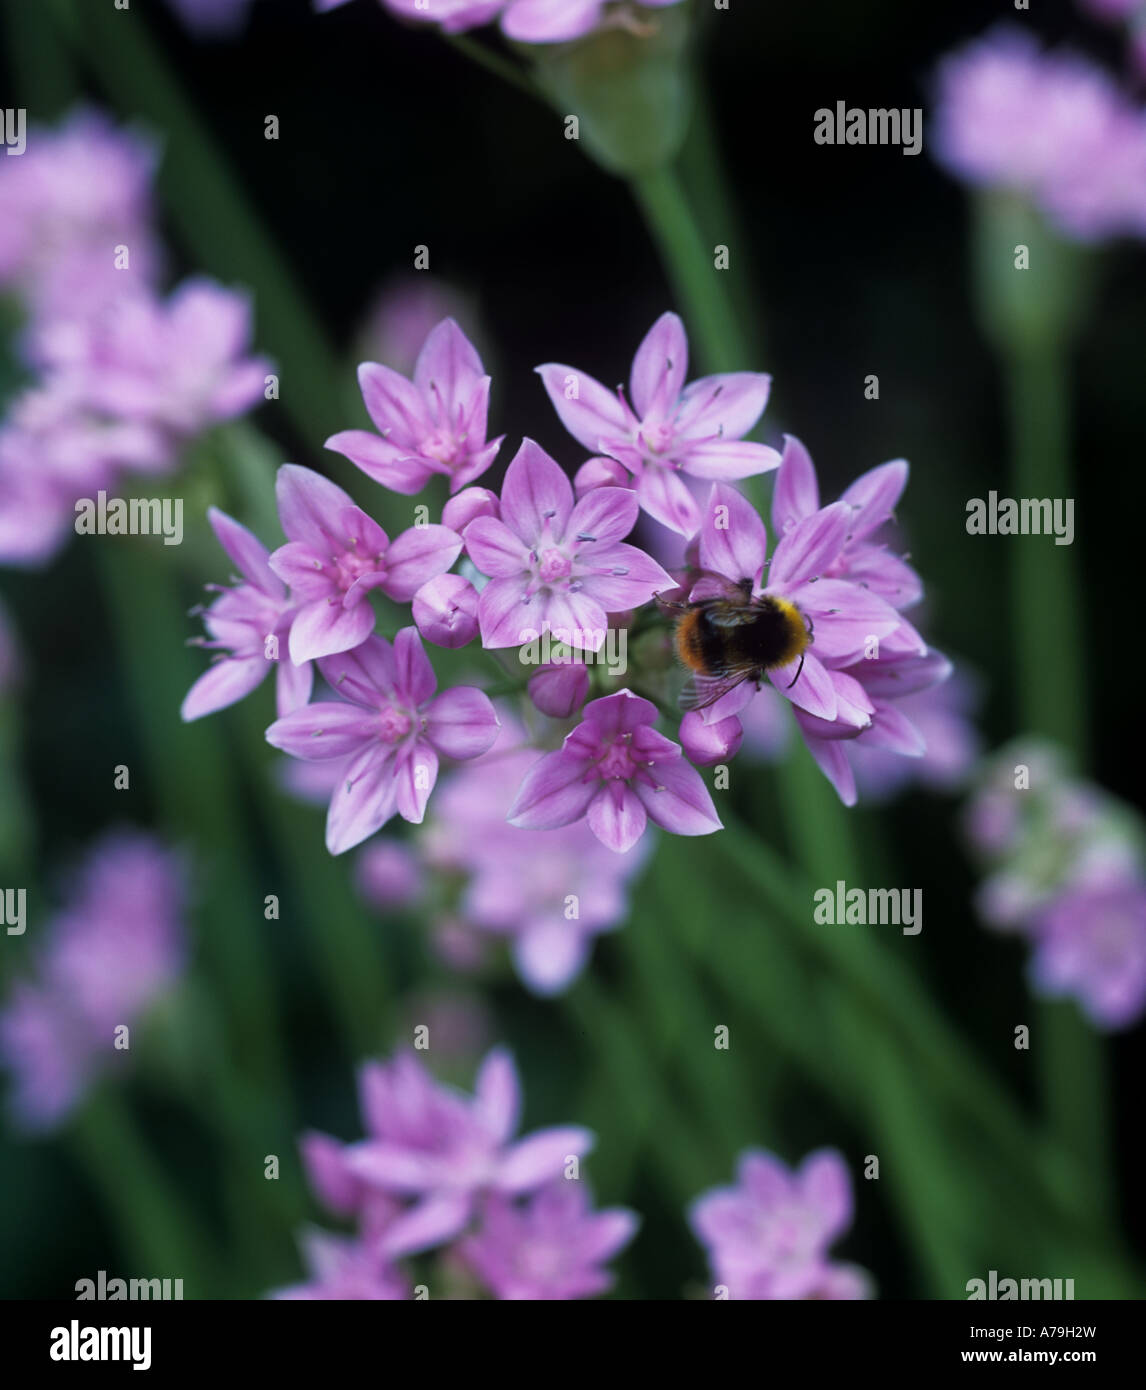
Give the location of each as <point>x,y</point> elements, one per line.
<point>734,637</point>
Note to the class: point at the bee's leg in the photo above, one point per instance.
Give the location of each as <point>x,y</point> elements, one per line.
<point>671,605</point>
<point>799,672</point>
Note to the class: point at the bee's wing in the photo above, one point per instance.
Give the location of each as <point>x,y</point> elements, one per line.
<point>701,691</point>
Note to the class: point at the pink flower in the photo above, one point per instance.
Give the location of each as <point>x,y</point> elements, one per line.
<point>239,623</point>
<point>843,617</point>
<point>389,875</point>
<point>1052,126</point>
<point>388,729</point>
<point>445,1149</point>
<point>886,681</point>
<point>555,563</point>
<point>560,689</point>
<point>55,449</point>
<point>74,196</point>
<point>178,366</point>
<point>768,1237</point>
<point>407,309</point>
<point>669,428</point>
<point>863,558</point>
<point>343,1269</point>
<point>618,772</point>
<point>453,15</point>
<point>550,1247</point>
<point>1090,942</point>
<point>434,424</point>
<point>446,611</point>
<point>115,948</point>
<point>548,893</point>
<point>559,21</point>
<point>335,555</point>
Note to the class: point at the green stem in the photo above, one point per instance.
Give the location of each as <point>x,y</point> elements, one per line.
<point>197,799</point>
<point>1031,315</point>
<point>691,267</point>
<point>165,1240</point>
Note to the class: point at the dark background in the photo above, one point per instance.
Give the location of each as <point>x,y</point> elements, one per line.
<point>860,256</point>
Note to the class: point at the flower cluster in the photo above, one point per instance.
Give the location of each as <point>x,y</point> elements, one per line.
<point>1068,874</point>
<point>106,958</point>
<point>125,377</point>
<point>441,1171</point>
<point>1052,127</point>
<point>768,1237</point>
<point>546,571</point>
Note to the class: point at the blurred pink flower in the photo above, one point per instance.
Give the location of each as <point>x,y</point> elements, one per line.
<point>75,196</point>
<point>114,949</point>
<point>549,1247</point>
<point>1051,126</point>
<point>768,1237</point>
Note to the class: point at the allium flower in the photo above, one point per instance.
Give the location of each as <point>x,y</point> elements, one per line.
<point>768,1237</point>
<point>559,689</point>
<point>886,681</point>
<point>388,729</point>
<point>115,948</point>
<point>55,449</point>
<point>864,558</point>
<point>1050,126</point>
<point>73,197</point>
<point>454,16</point>
<point>667,428</point>
<point>1067,873</point>
<point>550,1247</point>
<point>341,1269</point>
<point>549,893</point>
<point>336,555</point>
<point>615,770</point>
<point>526,21</point>
<point>240,624</point>
<point>555,563</point>
<point>445,610</point>
<point>844,617</point>
<point>445,1149</point>
<point>389,875</point>
<point>941,714</point>
<point>407,309</point>
<point>434,424</point>
<point>178,366</point>
<point>558,21</point>
<point>1090,942</point>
